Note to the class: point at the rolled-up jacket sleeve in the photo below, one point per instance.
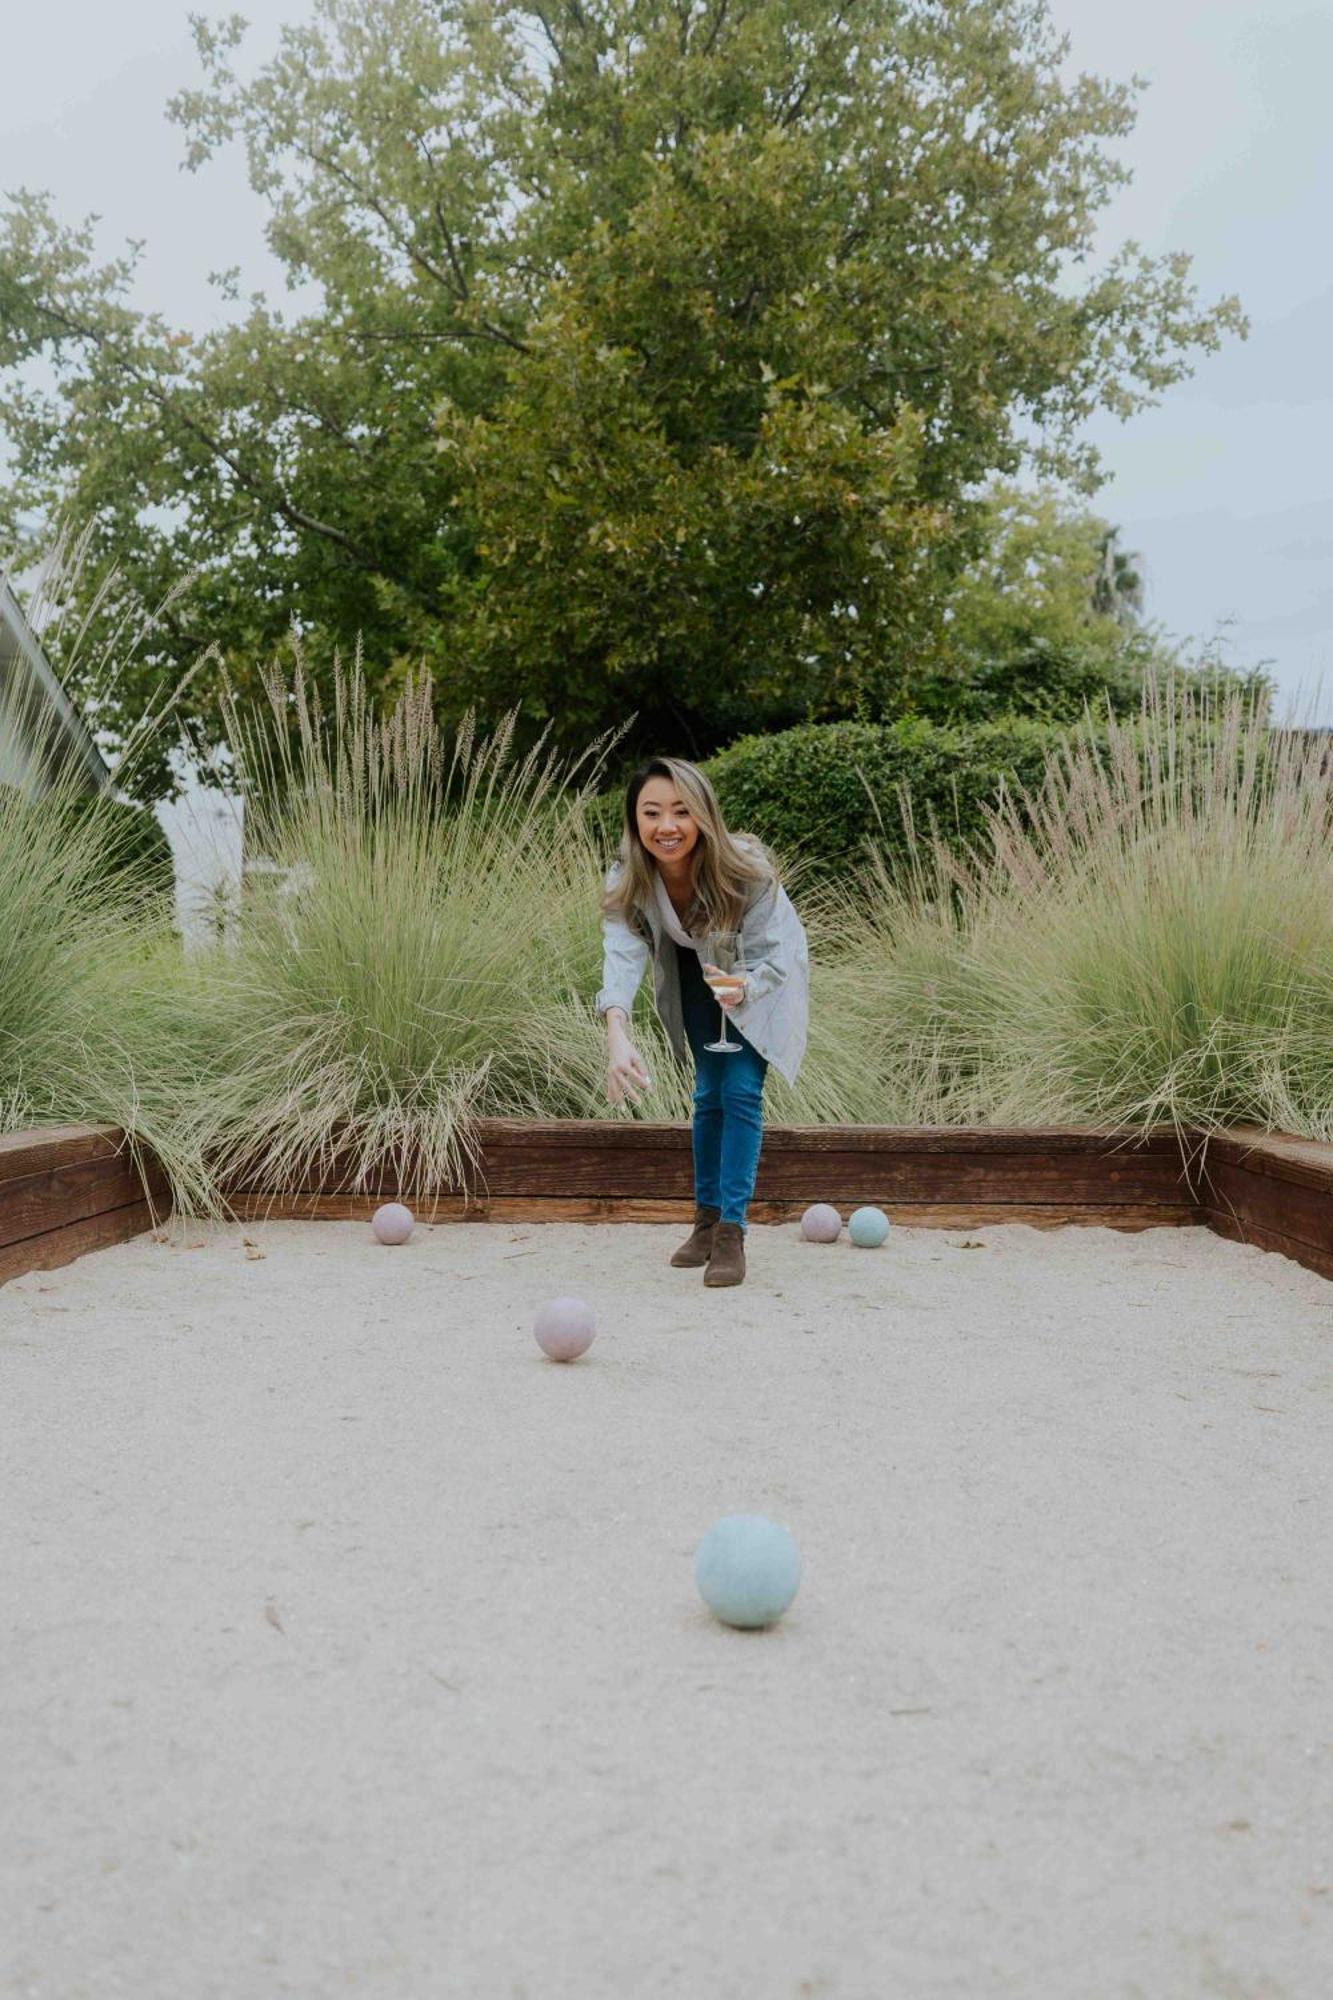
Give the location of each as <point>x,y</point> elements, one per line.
<point>625,958</point>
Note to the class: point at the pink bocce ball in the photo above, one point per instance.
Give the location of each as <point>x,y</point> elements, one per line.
<point>821,1223</point>
<point>393,1223</point>
<point>565,1328</point>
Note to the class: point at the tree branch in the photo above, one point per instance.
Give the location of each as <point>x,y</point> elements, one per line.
<point>550,34</point>
<point>273,495</point>
<point>409,249</point>
<point>793,111</point>
<point>716,27</point>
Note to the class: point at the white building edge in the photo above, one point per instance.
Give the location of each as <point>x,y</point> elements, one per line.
<point>41,730</point>
<point>42,734</point>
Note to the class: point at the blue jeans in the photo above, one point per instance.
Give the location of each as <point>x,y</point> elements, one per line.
<point>728,1128</point>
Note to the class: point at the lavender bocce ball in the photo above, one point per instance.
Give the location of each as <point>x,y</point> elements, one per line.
<point>565,1328</point>
<point>393,1223</point>
<point>821,1223</point>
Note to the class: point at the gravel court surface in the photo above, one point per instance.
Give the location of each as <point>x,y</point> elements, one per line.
<point>352,1647</point>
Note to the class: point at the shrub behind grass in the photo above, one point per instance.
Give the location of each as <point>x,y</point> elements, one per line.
<point>821,791</point>
<point>1148,936</point>
<point>826,789</point>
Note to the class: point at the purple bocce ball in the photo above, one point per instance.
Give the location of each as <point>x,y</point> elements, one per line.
<point>393,1223</point>
<point>821,1223</point>
<point>565,1328</point>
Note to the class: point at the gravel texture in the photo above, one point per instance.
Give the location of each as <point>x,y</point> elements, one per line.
<point>353,1647</point>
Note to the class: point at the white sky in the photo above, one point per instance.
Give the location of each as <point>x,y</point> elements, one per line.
<point>1226,488</point>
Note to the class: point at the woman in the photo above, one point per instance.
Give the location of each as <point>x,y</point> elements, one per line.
<point>679,874</point>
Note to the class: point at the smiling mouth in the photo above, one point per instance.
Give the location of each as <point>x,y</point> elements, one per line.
<point>669,844</point>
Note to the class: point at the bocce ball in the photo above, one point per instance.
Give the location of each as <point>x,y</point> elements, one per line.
<point>821,1223</point>
<point>868,1227</point>
<point>747,1569</point>
<point>393,1223</point>
<point>565,1328</point>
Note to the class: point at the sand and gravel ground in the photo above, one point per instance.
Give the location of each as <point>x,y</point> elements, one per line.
<point>351,1647</point>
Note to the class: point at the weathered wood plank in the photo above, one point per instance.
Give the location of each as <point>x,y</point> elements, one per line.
<point>919,1215</point>
<point>838,1176</point>
<point>1287,1208</point>
<point>1274,1156</point>
<point>67,1189</point>
<point>1306,1254</point>
<point>557,1133</point>
<point>37,1152</point>
<point>1267,1188</point>
<point>65,1194</point>
<point>601,1151</point>
<point>591,1159</point>
<point>1273,1190</point>
<point>61,1246</point>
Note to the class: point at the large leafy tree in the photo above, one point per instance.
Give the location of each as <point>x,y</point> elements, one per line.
<point>664,349</point>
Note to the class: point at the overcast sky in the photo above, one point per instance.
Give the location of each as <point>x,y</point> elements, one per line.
<point>1226,488</point>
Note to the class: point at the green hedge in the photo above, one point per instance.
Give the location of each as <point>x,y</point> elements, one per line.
<point>820,791</point>
<point>800,790</point>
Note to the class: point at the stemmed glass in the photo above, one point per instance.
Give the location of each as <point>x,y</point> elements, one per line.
<point>723,953</point>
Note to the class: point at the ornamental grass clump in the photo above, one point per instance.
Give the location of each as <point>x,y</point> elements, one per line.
<point>395,973</point>
<point>92,1016</point>
<point>57,935</point>
<point>1149,938</point>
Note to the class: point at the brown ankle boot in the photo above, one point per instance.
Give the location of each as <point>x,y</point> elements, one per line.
<point>698,1245</point>
<point>726,1266</point>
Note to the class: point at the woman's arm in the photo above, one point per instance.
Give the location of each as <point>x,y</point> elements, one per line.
<point>624,962</point>
<point>625,958</point>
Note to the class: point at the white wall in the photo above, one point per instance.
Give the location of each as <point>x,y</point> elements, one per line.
<point>205,828</point>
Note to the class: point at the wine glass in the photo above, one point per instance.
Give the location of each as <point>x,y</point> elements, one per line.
<point>723,951</point>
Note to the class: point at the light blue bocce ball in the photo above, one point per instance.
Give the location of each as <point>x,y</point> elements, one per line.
<point>747,1569</point>
<point>868,1227</point>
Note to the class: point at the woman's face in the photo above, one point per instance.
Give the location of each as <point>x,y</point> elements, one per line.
<point>666,825</point>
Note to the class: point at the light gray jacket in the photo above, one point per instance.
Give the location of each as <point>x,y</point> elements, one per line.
<point>774,1015</point>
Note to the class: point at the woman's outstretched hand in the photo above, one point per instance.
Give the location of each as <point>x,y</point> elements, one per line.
<point>624,1069</point>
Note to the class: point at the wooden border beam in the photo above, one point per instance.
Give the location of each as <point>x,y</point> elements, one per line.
<point>76,1188</point>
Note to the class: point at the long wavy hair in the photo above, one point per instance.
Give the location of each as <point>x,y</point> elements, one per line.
<point>726,865</point>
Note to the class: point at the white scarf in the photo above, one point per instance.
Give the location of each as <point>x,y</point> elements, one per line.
<point>669,917</point>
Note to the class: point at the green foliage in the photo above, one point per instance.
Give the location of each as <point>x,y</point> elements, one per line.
<point>1144,934</point>
<point>1046,573</point>
<point>821,792</point>
<point>1149,940</point>
<point>1057,681</point>
<point>431,921</point>
<point>52,928</point>
<point>135,854</point>
<point>91,1023</point>
<point>1046,618</point>
<point>99,1022</point>
<point>660,354</point>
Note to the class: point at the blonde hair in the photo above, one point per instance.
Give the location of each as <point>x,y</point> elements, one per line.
<point>725,870</point>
